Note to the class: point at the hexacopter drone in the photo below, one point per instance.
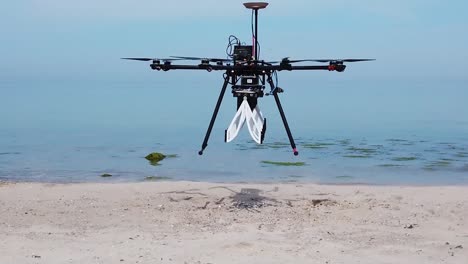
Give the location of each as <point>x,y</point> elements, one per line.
<point>248,76</point>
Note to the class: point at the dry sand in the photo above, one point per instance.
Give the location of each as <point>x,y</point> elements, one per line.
<point>188,222</point>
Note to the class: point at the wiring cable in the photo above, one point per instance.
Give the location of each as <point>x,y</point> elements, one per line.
<point>232,41</point>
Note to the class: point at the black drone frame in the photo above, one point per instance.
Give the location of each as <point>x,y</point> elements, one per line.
<point>251,66</point>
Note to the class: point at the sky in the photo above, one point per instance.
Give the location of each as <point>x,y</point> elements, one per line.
<point>60,61</point>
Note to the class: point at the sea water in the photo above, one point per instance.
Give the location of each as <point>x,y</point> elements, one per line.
<point>82,157</point>
<point>77,132</point>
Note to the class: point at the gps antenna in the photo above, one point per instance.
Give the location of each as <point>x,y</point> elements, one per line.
<point>256,6</point>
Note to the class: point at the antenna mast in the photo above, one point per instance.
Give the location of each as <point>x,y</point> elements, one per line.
<point>255,6</point>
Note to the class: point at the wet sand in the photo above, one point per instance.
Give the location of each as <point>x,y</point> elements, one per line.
<point>190,222</point>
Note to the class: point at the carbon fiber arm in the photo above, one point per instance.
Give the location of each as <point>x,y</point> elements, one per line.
<point>244,68</point>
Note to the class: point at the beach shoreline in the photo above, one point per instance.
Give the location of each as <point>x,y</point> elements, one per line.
<point>202,222</point>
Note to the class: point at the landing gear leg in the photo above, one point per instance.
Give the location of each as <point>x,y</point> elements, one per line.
<point>283,117</point>
<point>215,113</point>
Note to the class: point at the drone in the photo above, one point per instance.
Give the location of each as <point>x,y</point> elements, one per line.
<point>248,76</point>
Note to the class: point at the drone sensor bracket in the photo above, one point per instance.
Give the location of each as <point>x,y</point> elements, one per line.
<point>243,52</point>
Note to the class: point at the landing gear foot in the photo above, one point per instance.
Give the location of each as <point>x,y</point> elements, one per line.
<point>295,152</point>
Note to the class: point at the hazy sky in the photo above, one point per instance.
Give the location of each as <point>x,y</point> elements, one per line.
<point>420,47</point>
<point>409,38</point>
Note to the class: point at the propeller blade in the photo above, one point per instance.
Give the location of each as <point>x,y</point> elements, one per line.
<point>137,59</point>
<point>151,59</point>
<point>285,59</point>
<point>356,60</point>
<point>199,58</point>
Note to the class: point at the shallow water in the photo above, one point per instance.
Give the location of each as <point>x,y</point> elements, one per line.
<point>72,156</point>
<point>346,132</point>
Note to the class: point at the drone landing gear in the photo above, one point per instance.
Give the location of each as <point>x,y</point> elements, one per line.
<point>215,113</point>
<point>283,117</point>
<point>254,118</point>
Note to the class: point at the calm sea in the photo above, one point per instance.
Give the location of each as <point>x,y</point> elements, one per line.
<point>71,156</point>
<point>62,134</point>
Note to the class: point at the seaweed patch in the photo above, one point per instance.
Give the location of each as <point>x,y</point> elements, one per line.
<point>344,177</point>
<point>396,140</point>
<point>10,153</point>
<point>155,157</point>
<point>157,178</point>
<point>318,145</point>
<point>344,142</point>
<point>283,163</point>
<point>441,163</point>
<point>438,164</point>
<point>462,155</point>
<point>389,165</point>
<point>404,158</point>
<point>295,176</point>
<point>362,150</point>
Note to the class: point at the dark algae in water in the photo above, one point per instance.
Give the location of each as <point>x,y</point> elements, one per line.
<point>344,142</point>
<point>462,155</point>
<point>10,153</point>
<point>157,178</point>
<point>106,175</point>
<point>404,158</point>
<point>283,163</point>
<point>389,165</point>
<point>396,140</point>
<point>155,157</point>
<point>318,145</point>
<point>438,164</point>
<point>362,150</point>
<point>344,177</point>
<point>296,176</point>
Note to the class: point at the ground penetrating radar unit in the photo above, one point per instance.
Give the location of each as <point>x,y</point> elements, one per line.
<point>248,76</point>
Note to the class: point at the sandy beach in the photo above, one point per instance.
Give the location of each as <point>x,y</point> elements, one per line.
<point>190,222</point>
